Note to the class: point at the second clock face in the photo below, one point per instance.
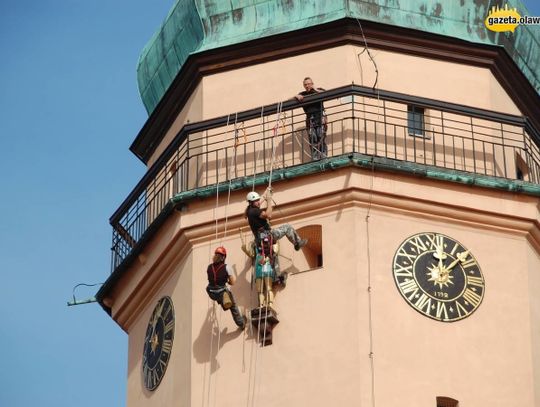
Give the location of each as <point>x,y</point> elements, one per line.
<point>438,277</point>
<point>158,343</point>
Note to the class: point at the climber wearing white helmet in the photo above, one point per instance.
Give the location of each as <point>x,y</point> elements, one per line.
<point>258,220</point>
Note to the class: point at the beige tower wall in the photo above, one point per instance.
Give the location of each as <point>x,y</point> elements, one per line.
<point>163,268</point>
<point>533,258</point>
<point>242,89</point>
<point>329,321</point>
<point>320,354</point>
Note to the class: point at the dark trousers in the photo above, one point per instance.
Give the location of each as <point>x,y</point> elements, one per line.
<point>316,128</point>
<point>215,292</point>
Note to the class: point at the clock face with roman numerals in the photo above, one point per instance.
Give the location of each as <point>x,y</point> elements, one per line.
<point>158,343</point>
<point>438,277</point>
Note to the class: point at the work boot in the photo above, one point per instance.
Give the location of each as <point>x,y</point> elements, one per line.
<point>299,244</point>
<point>243,326</point>
<point>283,279</point>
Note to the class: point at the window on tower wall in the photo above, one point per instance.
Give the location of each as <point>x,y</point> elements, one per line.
<point>416,121</point>
<point>311,255</point>
<point>522,169</point>
<point>443,401</point>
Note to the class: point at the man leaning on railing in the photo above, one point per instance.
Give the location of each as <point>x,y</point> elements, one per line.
<point>316,125</point>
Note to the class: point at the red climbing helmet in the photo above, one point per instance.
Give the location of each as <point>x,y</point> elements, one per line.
<point>221,250</point>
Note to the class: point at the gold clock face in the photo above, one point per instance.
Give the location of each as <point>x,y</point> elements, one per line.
<point>438,277</point>
<point>158,343</point>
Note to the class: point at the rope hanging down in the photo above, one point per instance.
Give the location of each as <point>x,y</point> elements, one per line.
<point>215,323</point>
<point>274,134</point>
<point>257,155</point>
<point>217,188</point>
<point>229,174</point>
<point>367,219</point>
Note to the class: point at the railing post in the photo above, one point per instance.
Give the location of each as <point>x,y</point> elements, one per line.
<point>504,149</point>
<point>353,125</point>
<point>473,147</point>
<point>145,203</point>
<point>188,159</point>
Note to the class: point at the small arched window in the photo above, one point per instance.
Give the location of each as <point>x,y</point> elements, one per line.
<point>313,250</point>
<point>443,401</point>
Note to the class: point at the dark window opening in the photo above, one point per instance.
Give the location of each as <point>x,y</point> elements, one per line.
<point>443,401</point>
<point>415,121</point>
<point>522,170</point>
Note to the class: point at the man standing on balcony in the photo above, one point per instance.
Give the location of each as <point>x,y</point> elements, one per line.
<point>258,221</point>
<point>315,120</point>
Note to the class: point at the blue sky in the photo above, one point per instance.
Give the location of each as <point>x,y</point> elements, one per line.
<point>69,109</point>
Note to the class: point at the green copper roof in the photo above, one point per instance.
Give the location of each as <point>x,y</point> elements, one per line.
<point>194,26</point>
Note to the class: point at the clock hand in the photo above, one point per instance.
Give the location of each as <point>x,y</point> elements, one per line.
<point>460,257</point>
<point>439,253</point>
<point>441,267</point>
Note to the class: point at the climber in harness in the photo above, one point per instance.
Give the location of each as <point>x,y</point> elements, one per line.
<point>258,221</point>
<point>316,124</point>
<point>219,274</point>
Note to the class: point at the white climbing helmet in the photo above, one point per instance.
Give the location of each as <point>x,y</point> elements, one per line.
<point>252,196</point>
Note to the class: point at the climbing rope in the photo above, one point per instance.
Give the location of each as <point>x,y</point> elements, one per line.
<point>212,320</point>
<point>253,360</point>
<point>217,189</point>
<point>234,164</point>
<point>215,321</point>
<point>370,201</point>
<point>257,155</point>
<point>274,135</point>
<point>218,324</point>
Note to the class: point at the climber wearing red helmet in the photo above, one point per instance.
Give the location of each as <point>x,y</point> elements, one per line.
<point>219,274</point>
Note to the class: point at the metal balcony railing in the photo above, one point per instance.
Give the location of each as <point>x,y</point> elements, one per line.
<point>360,120</point>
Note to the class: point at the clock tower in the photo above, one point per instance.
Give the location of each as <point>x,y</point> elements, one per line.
<point>418,191</point>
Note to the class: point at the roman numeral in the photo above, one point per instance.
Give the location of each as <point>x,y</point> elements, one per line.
<point>461,309</point>
<point>472,297</point>
<point>436,241</point>
<point>167,308</point>
<point>468,263</point>
<point>145,371</point>
<point>453,252</point>
<point>159,308</point>
<point>477,281</point>
<point>169,327</point>
<point>423,302</point>
<point>148,379</point>
<point>442,313</point>
<point>410,257</point>
<point>409,286</point>
<point>167,346</point>
<point>419,244</point>
<point>403,271</point>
